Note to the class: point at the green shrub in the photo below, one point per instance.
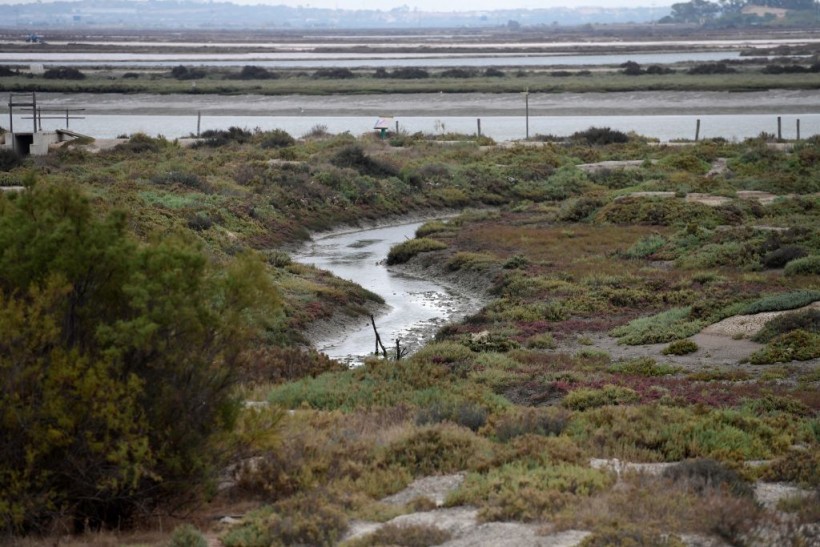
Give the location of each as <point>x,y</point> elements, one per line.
<point>315,518</point>
<point>250,72</point>
<point>278,138</point>
<point>584,398</point>
<point>782,256</point>
<point>680,347</point>
<point>663,327</point>
<point>630,536</point>
<point>517,491</point>
<point>63,73</point>
<point>187,536</point>
<point>544,340</point>
<point>215,138</point>
<point>9,159</point>
<point>353,156</point>
<point>809,265</point>
<point>781,302</point>
<point>135,346</point>
<point>531,421</point>
<point>657,212</point>
<point>432,227</point>
<point>403,252</point>
<point>334,74</point>
<point>407,535</point>
<point>435,449</point>
<point>465,261</point>
<point>797,345</point>
<point>600,136</point>
<point>646,246</point>
<point>706,473</point>
<point>189,180</point>
<point>798,466</point>
<point>467,415</point>
<point>663,433</point>
<point>808,320</point>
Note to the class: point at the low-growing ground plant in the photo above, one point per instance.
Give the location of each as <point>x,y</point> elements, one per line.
<point>809,265</point>
<point>680,347</point>
<point>403,252</point>
<point>436,449</point>
<point>543,421</point>
<point>518,491</point>
<point>663,327</point>
<point>808,321</point>
<point>635,536</point>
<point>797,345</point>
<point>187,535</point>
<point>643,366</point>
<point>583,398</point>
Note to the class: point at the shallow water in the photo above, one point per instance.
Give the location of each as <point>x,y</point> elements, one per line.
<point>416,307</point>
<point>500,128</point>
<point>355,60</point>
<point>665,115</point>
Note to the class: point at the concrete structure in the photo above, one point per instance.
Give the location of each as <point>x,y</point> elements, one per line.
<point>37,144</point>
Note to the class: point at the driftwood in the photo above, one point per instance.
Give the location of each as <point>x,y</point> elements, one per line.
<point>400,351</point>
<point>378,338</point>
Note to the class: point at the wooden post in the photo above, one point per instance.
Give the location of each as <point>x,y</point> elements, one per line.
<point>527,111</point>
<point>697,130</point>
<point>478,121</point>
<point>397,127</point>
<point>779,129</point>
<point>198,122</point>
<point>66,118</point>
<point>798,129</point>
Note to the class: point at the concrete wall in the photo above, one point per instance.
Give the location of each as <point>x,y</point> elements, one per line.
<point>41,142</point>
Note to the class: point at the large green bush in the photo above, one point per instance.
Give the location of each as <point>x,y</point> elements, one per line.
<point>116,360</point>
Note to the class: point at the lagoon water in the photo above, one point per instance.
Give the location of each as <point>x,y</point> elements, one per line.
<point>665,115</point>
<point>500,128</point>
<point>353,60</point>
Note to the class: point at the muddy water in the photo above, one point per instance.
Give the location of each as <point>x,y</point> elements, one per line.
<point>416,307</point>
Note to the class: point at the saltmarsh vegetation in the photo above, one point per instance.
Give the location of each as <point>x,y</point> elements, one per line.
<point>124,325</point>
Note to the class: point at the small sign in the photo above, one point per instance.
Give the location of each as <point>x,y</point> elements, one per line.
<point>384,123</point>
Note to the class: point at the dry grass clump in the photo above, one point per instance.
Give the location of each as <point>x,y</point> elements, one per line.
<point>526,492</point>
<point>655,504</point>
<point>798,466</point>
<point>439,449</point>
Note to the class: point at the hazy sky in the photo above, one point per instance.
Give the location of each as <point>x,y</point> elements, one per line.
<point>435,5</point>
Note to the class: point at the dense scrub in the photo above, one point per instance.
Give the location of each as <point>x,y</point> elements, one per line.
<point>126,323</point>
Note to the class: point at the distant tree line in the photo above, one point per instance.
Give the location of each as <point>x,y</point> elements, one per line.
<point>730,12</point>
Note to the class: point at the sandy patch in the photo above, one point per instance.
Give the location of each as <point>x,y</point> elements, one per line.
<point>764,198</point>
<point>746,326</point>
<point>707,199</point>
<point>608,165</point>
<point>433,488</point>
